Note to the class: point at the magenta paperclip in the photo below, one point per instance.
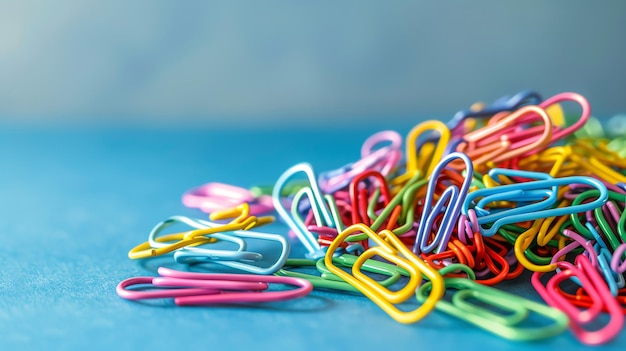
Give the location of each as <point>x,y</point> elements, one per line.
<point>188,289</point>
<point>304,288</point>
<point>183,287</point>
<point>212,197</point>
<point>594,285</point>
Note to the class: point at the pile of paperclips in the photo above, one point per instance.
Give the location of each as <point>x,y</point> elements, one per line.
<point>499,190</point>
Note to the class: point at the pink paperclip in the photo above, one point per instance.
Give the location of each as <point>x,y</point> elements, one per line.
<point>599,293</point>
<point>304,288</point>
<point>496,142</point>
<point>382,160</point>
<point>185,287</point>
<point>381,137</point>
<point>615,260</point>
<point>557,131</point>
<point>578,241</point>
<point>212,197</point>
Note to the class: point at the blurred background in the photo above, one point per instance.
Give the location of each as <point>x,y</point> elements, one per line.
<point>289,63</point>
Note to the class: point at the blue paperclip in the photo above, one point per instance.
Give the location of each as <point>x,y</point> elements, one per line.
<point>532,211</point>
<point>453,196</point>
<point>317,202</point>
<point>189,255</point>
<point>505,103</point>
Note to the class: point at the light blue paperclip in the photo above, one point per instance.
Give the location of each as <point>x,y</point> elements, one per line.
<point>189,255</point>
<point>317,203</point>
<point>214,255</point>
<point>455,199</point>
<point>535,210</point>
<point>613,280</point>
<point>523,197</point>
<point>231,258</point>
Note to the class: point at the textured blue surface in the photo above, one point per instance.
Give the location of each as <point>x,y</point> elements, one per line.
<point>74,202</point>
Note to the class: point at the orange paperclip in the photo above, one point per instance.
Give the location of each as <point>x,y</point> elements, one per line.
<point>494,142</point>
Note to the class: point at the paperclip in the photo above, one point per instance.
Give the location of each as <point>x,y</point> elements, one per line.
<point>189,279</point>
<point>390,248</point>
<point>164,243</point>
<point>495,143</point>
<point>455,198</point>
<point>317,281</point>
<point>190,255</point>
<point>382,160</point>
<point>156,246</point>
<point>606,228</point>
<point>360,196</point>
<point>593,283</point>
<point>505,103</point>
<point>214,196</point>
<point>317,201</point>
<point>506,326</point>
<point>617,257</point>
<point>392,272</point>
<point>560,133</point>
<point>429,156</point>
<point>176,287</point>
<point>522,214</point>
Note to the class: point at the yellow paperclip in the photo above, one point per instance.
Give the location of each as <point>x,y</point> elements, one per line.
<point>430,154</point>
<point>195,237</point>
<point>392,249</point>
<point>523,241</point>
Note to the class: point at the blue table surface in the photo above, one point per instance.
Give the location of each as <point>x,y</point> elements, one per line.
<point>75,201</point>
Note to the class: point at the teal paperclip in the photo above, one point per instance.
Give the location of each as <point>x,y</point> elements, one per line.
<point>536,210</point>
<point>507,326</point>
<point>318,205</point>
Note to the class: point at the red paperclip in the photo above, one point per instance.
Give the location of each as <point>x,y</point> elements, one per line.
<point>594,285</point>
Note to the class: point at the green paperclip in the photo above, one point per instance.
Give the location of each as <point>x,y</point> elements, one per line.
<point>501,325</point>
<point>606,228</point>
<point>405,196</point>
<point>346,260</point>
<point>510,232</point>
<point>316,281</point>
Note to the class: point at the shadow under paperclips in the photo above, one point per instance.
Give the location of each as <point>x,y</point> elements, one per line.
<point>308,304</point>
<point>152,264</point>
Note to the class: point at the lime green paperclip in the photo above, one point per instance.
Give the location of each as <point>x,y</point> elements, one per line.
<point>372,266</point>
<point>330,281</point>
<point>504,325</point>
<point>317,281</point>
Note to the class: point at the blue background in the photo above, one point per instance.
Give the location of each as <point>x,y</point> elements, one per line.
<point>109,111</point>
<point>250,63</point>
